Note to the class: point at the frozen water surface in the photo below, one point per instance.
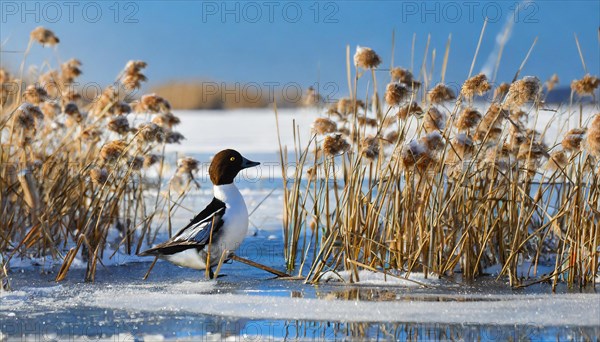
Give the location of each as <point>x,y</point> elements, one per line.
<point>177,303</point>
<point>249,304</point>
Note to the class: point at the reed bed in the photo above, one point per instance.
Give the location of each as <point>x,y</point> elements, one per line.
<point>74,171</point>
<point>437,180</point>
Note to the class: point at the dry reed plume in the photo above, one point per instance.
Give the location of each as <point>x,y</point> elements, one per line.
<point>585,86</point>
<point>477,85</point>
<point>366,58</point>
<point>440,93</point>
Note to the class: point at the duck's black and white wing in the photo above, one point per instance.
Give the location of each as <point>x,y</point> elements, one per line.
<point>196,234</point>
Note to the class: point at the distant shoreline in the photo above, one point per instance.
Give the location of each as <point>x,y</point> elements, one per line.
<point>210,95</point>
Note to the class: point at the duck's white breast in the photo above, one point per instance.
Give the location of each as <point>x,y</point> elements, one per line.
<point>235,220</point>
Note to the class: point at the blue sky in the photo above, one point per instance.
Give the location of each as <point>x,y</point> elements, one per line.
<point>302,41</point>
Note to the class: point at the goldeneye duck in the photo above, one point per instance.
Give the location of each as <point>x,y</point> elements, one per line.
<point>226,218</point>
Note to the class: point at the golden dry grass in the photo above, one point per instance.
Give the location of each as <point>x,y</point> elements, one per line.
<point>445,188</point>
<point>73,169</point>
<point>219,95</point>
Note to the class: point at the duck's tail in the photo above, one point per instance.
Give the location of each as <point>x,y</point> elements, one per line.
<point>171,247</point>
<point>148,252</point>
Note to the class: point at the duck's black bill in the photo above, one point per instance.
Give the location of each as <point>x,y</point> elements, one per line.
<point>249,163</point>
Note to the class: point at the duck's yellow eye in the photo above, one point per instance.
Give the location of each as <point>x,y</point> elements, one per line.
<point>232,158</point>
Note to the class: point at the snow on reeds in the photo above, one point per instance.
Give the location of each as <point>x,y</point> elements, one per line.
<point>448,185</point>
<point>74,169</point>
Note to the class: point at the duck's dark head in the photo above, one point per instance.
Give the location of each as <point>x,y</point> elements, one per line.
<point>226,165</point>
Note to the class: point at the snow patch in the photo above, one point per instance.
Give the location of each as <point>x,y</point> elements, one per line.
<point>366,277</point>
<point>193,286</point>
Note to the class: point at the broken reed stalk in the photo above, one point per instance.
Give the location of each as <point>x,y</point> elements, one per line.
<point>477,49</point>
<point>207,271</point>
<point>506,34</point>
<point>150,268</point>
<point>220,264</point>
<point>259,266</point>
<point>446,55</point>
<point>580,53</point>
<point>393,49</point>
<point>525,60</point>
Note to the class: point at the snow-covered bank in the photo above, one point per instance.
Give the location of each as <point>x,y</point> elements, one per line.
<point>255,130</point>
<point>247,130</point>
